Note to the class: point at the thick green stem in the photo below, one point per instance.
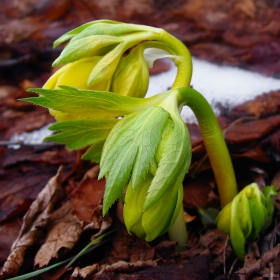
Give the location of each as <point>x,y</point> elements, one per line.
<point>183,61</point>
<point>214,143</point>
<point>178,232</point>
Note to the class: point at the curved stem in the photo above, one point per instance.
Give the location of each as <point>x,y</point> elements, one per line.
<point>183,60</point>
<point>214,142</point>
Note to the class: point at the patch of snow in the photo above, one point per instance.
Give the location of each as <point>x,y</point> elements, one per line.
<point>226,85</point>
<point>30,138</point>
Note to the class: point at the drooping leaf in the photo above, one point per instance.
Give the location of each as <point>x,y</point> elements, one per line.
<point>106,67</point>
<point>91,104</point>
<point>77,134</point>
<point>65,37</point>
<point>85,47</point>
<point>131,77</point>
<point>173,162</point>
<point>129,151</point>
<point>94,152</point>
<point>108,28</point>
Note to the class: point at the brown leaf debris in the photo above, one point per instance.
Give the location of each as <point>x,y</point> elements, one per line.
<point>34,223</point>
<point>64,230</point>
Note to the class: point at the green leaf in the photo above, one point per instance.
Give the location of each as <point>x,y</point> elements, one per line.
<point>269,192</point>
<point>101,28</point>
<point>94,152</point>
<point>91,104</point>
<point>79,29</point>
<point>85,47</point>
<point>129,151</point>
<point>131,77</point>
<point>77,134</point>
<point>173,164</point>
<point>157,219</point>
<point>236,235</point>
<point>106,66</point>
<point>243,213</point>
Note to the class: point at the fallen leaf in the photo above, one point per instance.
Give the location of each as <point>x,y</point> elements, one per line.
<point>262,105</point>
<point>200,193</point>
<point>260,264</point>
<point>214,240</point>
<point>196,268</point>
<point>85,272</point>
<point>8,233</point>
<point>25,173</point>
<point>128,247</point>
<point>87,195</point>
<point>63,231</point>
<point>34,223</point>
<point>246,131</point>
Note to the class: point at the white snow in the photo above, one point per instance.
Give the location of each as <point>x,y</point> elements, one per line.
<point>219,84</point>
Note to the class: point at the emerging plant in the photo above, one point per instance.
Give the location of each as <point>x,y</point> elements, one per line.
<point>247,215</point>
<point>142,144</point>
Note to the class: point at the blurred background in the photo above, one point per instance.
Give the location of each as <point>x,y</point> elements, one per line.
<point>244,33</point>
<point>240,33</point>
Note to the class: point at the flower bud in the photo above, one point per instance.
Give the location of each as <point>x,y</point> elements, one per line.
<point>140,142</point>
<point>76,75</point>
<point>246,216</point>
<point>131,77</point>
<point>157,219</point>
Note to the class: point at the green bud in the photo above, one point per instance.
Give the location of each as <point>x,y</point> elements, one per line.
<point>159,218</point>
<point>149,153</point>
<point>131,77</point>
<point>76,75</point>
<point>111,40</point>
<point>246,216</point>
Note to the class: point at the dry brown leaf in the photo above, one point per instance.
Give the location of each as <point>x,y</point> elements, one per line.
<point>34,223</point>
<point>122,266</point>
<point>260,264</point>
<point>8,233</point>
<point>214,240</point>
<point>88,195</point>
<point>85,272</point>
<point>200,194</point>
<point>64,230</point>
<point>128,247</point>
<point>250,129</point>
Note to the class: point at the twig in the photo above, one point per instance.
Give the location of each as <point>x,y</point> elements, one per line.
<point>224,255</point>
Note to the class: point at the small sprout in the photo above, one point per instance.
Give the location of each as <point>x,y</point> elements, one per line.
<point>246,216</point>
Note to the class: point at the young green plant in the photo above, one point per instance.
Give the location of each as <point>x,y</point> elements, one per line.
<point>142,144</point>
<point>247,215</point>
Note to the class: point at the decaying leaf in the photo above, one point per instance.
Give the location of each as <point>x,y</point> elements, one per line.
<point>196,268</point>
<point>260,264</point>
<point>8,233</point>
<point>85,272</point>
<point>34,223</point>
<point>126,247</point>
<point>64,230</point>
<point>200,193</point>
<point>88,195</point>
<point>251,129</point>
